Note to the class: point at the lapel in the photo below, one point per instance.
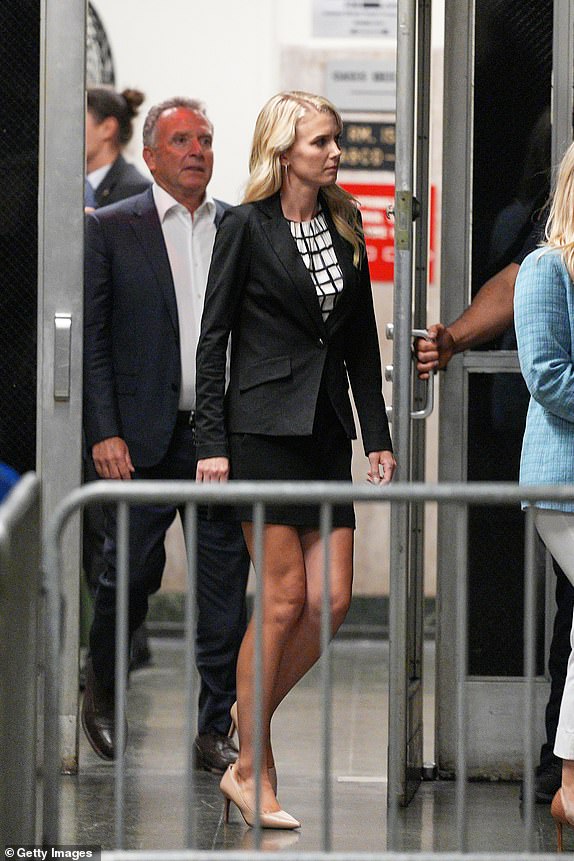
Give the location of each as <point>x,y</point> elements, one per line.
<point>276,228</point>
<point>220,208</point>
<point>351,275</point>
<point>147,227</point>
<point>106,186</point>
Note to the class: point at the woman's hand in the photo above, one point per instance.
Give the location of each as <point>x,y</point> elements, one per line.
<point>212,469</point>
<point>382,465</point>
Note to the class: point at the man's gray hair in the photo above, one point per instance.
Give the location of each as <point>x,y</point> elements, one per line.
<point>157,110</point>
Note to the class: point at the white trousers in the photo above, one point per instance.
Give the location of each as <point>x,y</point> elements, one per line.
<point>556,529</point>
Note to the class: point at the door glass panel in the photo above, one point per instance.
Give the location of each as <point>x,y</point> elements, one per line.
<point>20,23</point>
<point>511,169</point>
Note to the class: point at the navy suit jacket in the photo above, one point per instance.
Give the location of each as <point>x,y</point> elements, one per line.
<point>121,181</point>
<point>132,365</point>
<point>260,291</point>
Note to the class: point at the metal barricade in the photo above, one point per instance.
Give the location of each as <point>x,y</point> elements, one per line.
<point>457,496</point>
<point>19,643</point>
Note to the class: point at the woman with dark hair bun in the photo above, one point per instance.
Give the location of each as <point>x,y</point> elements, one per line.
<point>109,127</point>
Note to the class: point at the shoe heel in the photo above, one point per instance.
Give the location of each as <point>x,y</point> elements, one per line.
<point>226,805</point>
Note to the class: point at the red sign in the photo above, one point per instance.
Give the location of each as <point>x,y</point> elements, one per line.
<point>380,229</point>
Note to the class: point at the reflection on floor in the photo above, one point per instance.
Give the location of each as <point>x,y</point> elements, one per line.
<point>155,771</point>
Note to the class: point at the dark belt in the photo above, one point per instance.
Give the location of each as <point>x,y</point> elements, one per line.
<point>186,417</point>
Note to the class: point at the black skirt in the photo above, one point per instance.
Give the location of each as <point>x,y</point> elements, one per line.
<point>323,456</point>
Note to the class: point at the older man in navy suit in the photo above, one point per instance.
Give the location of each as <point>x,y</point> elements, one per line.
<point>147,260</point>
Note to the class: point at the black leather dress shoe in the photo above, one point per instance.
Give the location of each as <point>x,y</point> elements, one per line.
<point>547,781</point>
<point>98,716</point>
<point>213,752</point>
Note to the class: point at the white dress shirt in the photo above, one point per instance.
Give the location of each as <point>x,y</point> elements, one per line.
<point>96,177</point>
<point>189,241</point>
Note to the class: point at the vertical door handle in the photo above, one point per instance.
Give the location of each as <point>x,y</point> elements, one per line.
<point>62,356</point>
<point>428,407</point>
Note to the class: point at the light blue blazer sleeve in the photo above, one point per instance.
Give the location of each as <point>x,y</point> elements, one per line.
<point>544,316</point>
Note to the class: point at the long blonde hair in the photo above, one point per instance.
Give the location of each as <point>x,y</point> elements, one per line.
<point>560,225</point>
<point>274,134</point>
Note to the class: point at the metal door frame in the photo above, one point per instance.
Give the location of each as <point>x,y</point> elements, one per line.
<point>60,309</point>
<point>493,703</point>
<point>409,305</point>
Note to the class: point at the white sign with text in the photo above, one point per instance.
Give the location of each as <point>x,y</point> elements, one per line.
<point>351,18</point>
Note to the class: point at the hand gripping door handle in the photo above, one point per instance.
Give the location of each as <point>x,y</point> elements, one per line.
<point>428,407</point>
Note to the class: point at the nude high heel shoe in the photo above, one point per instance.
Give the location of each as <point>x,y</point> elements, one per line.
<point>271,770</point>
<point>560,818</point>
<point>231,791</point>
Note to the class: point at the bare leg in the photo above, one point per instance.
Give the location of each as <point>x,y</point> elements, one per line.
<point>568,783</point>
<point>303,648</point>
<point>293,593</point>
<point>283,601</point>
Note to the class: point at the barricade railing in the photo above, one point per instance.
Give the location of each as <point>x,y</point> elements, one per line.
<point>231,855</point>
<point>20,592</point>
<point>259,494</point>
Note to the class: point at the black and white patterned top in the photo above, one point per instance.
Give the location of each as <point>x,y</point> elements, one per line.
<point>315,246</point>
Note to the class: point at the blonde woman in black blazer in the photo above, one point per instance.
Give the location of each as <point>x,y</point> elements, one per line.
<point>289,281</point>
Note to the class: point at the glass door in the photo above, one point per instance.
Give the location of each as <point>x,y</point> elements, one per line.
<point>412,402</point>
<point>507,119</point>
<point>60,305</point>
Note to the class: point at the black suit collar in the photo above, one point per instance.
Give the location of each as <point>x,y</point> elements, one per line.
<point>109,181</point>
<point>351,275</point>
<point>147,227</point>
<point>281,241</point>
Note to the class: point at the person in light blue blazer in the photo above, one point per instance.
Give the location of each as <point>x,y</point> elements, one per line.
<point>544,321</point>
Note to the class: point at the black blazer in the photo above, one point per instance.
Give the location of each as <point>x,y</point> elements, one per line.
<point>132,364</point>
<point>260,291</point>
<point>121,181</point>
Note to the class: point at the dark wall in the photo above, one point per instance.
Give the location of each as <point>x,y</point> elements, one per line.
<point>19,94</point>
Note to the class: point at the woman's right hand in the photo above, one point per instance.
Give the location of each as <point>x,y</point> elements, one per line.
<point>212,469</point>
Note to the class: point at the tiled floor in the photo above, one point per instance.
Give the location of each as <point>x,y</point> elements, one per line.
<point>155,772</point>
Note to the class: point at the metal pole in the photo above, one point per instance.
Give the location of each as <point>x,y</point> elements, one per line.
<point>20,656</point>
<point>52,657</point>
<point>326,633</point>
<point>461,673</point>
<point>562,78</point>
<point>529,672</point>
<point>190,527</point>
<point>402,315</point>
<point>259,563</point>
<point>122,645</point>
<point>403,267</point>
